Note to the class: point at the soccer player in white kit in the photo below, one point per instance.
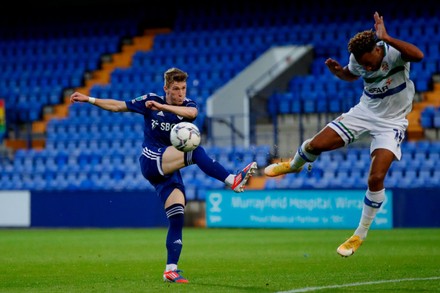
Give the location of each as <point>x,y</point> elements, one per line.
<point>383,63</point>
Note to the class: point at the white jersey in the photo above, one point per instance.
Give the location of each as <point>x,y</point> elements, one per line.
<point>388,92</point>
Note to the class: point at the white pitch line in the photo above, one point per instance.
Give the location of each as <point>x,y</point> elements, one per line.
<point>309,289</point>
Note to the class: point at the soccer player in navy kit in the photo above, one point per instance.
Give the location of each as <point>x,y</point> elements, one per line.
<point>161,163</point>
<point>383,62</point>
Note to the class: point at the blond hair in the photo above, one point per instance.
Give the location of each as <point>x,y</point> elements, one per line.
<point>361,43</point>
<point>174,75</point>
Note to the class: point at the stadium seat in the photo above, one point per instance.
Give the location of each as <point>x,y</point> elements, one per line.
<point>427,117</point>
<point>36,72</point>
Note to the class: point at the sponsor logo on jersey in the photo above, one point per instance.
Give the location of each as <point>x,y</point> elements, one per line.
<point>378,90</point>
<point>154,123</point>
<point>164,126</point>
<point>138,99</point>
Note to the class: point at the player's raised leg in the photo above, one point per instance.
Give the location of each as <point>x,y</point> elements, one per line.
<point>243,176</point>
<point>212,168</point>
<point>295,165</point>
<point>326,140</point>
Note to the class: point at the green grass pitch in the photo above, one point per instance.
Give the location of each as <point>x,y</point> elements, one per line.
<point>218,260</point>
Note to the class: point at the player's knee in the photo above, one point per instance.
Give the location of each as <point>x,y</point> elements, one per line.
<point>376,179</point>
<point>175,197</point>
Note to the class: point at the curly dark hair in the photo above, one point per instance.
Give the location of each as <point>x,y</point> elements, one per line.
<point>174,74</point>
<point>361,43</point>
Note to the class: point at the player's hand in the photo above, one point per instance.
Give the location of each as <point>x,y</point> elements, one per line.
<point>153,105</point>
<point>78,97</point>
<point>334,66</point>
<point>379,26</point>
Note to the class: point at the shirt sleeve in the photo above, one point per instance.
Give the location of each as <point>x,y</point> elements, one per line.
<point>193,104</point>
<point>396,56</point>
<point>138,104</point>
<point>354,67</point>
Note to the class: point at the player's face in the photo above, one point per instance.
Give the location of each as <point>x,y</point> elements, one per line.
<point>176,92</point>
<point>373,60</point>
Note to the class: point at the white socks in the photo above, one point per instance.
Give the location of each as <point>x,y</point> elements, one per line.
<point>372,202</point>
<point>302,157</point>
<point>170,267</point>
<point>230,180</point>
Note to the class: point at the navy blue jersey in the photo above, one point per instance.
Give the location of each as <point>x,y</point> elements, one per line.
<point>157,124</point>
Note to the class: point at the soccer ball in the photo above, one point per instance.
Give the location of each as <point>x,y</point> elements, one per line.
<point>185,136</point>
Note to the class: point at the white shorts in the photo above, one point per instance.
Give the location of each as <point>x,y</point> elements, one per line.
<point>359,121</point>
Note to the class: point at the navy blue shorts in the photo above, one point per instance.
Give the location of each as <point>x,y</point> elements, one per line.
<point>151,167</point>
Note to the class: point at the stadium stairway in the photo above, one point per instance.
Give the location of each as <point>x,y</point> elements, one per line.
<point>431,98</point>
<point>121,59</point>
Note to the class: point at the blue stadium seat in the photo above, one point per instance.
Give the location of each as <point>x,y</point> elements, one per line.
<point>427,117</point>
<point>216,48</point>
<point>436,119</point>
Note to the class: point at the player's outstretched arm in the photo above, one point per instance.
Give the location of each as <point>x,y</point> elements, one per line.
<point>339,71</point>
<point>409,52</point>
<point>187,112</point>
<point>106,104</point>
